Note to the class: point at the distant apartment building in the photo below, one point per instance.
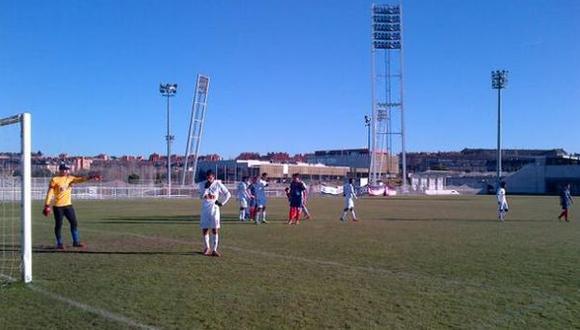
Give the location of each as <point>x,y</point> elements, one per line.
<point>80,164</point>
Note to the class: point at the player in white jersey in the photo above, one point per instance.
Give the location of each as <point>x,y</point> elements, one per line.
<point>349,196</point>
<point>213,195</point>
<point>502,204</point>
<point>244,197</point>
<point>261,200</point>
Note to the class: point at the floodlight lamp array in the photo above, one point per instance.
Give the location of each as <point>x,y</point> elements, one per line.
<point>499,79</point>
<point>168,89</point>
<point>386,27</point>
<point>386,9</point>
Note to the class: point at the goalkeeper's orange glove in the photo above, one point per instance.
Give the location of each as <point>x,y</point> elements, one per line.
<point>46,210</point>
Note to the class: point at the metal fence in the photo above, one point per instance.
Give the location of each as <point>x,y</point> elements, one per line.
<point>10,190</point>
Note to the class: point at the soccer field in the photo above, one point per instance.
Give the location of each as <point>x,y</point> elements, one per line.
<point>412,262</point>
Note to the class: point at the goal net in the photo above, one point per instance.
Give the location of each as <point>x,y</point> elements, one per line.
<point>15,199</point>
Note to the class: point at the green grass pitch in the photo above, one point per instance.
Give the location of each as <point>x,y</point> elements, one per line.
<point>412,262</point>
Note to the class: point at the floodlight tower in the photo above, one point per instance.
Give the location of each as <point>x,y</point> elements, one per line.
<point>368,122</point>
<point>196,124</point>
<point>499,81</point>
<point>387,89</point>
<point>168,90</point>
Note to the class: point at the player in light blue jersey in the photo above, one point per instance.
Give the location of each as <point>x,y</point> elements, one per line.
<point>261,199</point>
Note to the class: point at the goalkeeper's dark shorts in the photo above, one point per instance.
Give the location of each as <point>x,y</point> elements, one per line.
<point>67,212</point>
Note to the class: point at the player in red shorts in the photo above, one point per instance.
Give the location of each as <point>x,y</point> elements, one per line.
<point>296,197</point>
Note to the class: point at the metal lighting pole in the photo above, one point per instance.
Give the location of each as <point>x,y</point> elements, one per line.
<point>499,81</point>
<point>168,90</point>
<point>368,125</point>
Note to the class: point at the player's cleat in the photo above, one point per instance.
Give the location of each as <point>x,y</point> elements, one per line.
<point>343,220</point>
<point>60,247</point>
<point>79,245</point>
<point>216,254</point>
<point>355,220</point>
<point>264,221</point>
<point>207,252</point>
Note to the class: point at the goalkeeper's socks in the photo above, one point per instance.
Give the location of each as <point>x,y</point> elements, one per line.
<point>206,241</point>
<point>75,236</point>
<point>215,242</point>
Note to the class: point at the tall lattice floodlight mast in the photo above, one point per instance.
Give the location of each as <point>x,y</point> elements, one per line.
<point>15,202</point>
<point>196,125</point>
<point>387,92</point>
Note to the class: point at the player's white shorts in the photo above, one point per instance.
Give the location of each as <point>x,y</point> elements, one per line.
<point>210,217</point>
<point>503,206</point>
<point>243,203</point>
<point>261,202</point>
<point>349,203</point>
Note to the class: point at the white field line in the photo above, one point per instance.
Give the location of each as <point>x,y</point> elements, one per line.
<point>93,310</point>
<point>84,307</point>
<point>405,275</point>
<point>400,274</point>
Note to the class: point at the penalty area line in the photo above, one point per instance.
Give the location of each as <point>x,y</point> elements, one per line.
<point>84,307</point>
<point>368,269</point>
<point>93,310</point>
<point>274,255</point>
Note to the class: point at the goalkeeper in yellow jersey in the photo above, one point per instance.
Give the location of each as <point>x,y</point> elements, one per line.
<point>60,189</point>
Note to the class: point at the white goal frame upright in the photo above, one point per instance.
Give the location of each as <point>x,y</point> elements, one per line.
<point>25,190</point>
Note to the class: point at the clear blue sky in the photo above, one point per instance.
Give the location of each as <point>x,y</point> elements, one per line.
<point>286,75</point>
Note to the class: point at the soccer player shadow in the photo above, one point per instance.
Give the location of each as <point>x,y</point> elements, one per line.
<point>42,249</point>
<point>167,220</point>
<point>462,220</point>
<point>9,248</point>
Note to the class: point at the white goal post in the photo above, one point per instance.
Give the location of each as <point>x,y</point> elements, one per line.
<point>25,192</point>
